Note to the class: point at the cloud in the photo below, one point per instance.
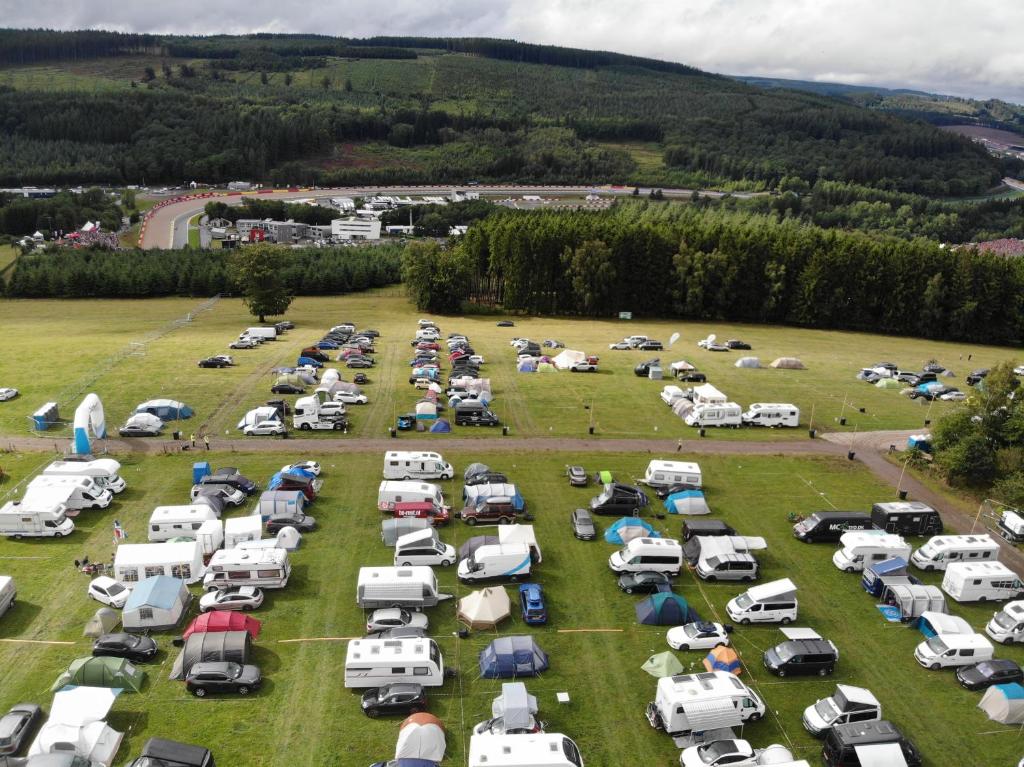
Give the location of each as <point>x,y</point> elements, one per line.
<point>943,46</point>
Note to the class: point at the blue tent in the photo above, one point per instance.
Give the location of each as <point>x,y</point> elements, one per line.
<point>687,502</point>
<point>441,426</point>
<point>613,533</point>
<point>277,479</point>
<point>512,656</point>
<point>663,609</point>
<point>873,574</point>
<point>527,366</point>
<point>165,409</point>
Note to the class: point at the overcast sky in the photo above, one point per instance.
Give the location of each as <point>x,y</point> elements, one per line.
<point>945,46</point>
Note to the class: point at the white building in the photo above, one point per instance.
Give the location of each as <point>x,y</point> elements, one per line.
<point>355,229</point>
<point>344,204</point>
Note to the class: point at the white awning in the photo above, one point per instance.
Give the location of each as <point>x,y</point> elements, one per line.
<point>799,633</point>
<point>880,755</point>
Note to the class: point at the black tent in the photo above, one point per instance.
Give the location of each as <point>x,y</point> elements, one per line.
<point>212,646</point>
<point>474,543</point>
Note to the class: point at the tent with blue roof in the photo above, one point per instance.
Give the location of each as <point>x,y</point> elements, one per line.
<point>1004,703</point>
<point>873,574</point>
<point>663,609</point>
<point>512,656</point>
<point>626,529</point>
<point>687,502</point>
<point>441,426</point>
<point>527,366</point>
<point>723,658</point>
<point>156,603</point>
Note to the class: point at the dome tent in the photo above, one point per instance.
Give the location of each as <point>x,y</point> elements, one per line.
<point>421,736</point>
<point>663,664</point>
<point>102,672</point>
<point>687,502</point>
<point>1004,703</point>
<point>485,608</point>
<point>663,609</point>
<point>723,658</point>
<point>788,363</point>
<point>627,528</point>
<point>441,426</point>
<point>748,362</point>
<point>102,622</point>
<point>508,657</point>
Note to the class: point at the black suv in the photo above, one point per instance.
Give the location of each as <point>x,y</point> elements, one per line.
<point>976,376</point>
<point>802,656</point>
<point>650,345</point>
<point>222,676</point>
<point>644,367</point>
<point>840,749</point>
<point>981,676</point>
<point>644,582</point>
<point>734,343</point>
<point>399,698</point>
<point>692,376</point>
<point>619,499</point>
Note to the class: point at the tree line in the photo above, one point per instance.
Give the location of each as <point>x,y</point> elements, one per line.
<point>65,212</point>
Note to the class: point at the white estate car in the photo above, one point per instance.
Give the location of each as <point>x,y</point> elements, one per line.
<point>311,466</point>
<point>264,428</point>
<point>350,398</point>
<point>107,591</point>
<point>393,618</point>
<point>236,598</point>
<point>697,636</point>
<point>7,393</point>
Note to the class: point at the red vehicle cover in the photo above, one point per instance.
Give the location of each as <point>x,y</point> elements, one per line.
<point>223,620</point>
<point>420,510</point>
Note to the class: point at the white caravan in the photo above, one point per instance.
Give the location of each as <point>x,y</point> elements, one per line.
<point>943,550</point>
<point>949,650</point>
<point>413,587</point>
<point>671,394</point>
<point>665,474</point>
<point>535,749</point>
<point>134,562</point>
<point>103,470</point>
<point>773,602</point>
<point>377,662</point>
<point>771,414</point>
<point>242,529</point>
<point>725,414</point>
<point>981,581</point>
<point>20,521</point>
<point>73,492</point>
<point>663,555</point>
<point>8,593</point>
<point>402,464</point>
<point>391,492</point>
<point>1007,625</point>
<point>423,547</point>
<point>863,548</point>
<point>511,560</point>
<point>266,568</point>
<point>706,701</point>
<point>168,522</point>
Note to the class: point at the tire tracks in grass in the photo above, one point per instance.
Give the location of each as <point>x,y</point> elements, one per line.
<point>385,394</point>
<point>216,421</point>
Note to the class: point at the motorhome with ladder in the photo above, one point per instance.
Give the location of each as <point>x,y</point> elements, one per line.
<point>402,464</point>
<point>863,548</point>
<point>943,550</point>
<point>981,581</point>
<point>689,703</point>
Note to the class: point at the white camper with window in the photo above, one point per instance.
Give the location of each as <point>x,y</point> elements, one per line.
<point>103,470</point>
<point>1007,625</point>
<point>725,414</point>
<point>863,548</point>
<point>771,414</point>
<point>241,529</point>
<point>665,474</point>
<point>981,581</point>
<point>423,547</point>
<point>18,520</point>
<point>663,555</point>
<point>266,568</point>
<point>168,522</point>
<point>949,650</point>
<point>134,562</point>
<point>689,703</point>
<point>8,593</point>
<point>377,662</point>
<point>74,492</point>
<point>535,749</point>
<point>403,464</point>
<point>773,602</point>
<point>510,560</point>
<point>391,492</point>
<point>413,587</point>
<point>706,394</point>
<point>943,550</point>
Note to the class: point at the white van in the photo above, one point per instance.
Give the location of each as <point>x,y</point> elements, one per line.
<point>427,334</point>
<point>412,587</point>
<point>18,520</point>
<point>697,702</point>
<point>771,414</point>
<point>943,550</point>
<point>402,464</point>
<point>377,662</point>
<point>103,470</point>
<point>423,547</point>
<point>981,581</point>
<point>1007,625</point>
<point>266,568</point>
<point>535,749</point>
<point>949,650</point>
<point>76,493</point>
<point>668,473</point>
<point>510,560</point>
<point>168,522</point>
<point>391,492</point>
<point>773,602</point>
<point>726,414</point>
<point>261,334</point>
<point>662,555</point>
<point>8,593</point>
<point>863,548</point>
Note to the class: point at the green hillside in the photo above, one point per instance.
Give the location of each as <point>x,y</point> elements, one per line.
<point>93,106</point>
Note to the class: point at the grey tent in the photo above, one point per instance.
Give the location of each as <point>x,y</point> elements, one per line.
<point>102,622</point>
<point>393,529</point>
<point>914,599</point>
<point>475,468</point>
<point>748,362</point>
<point>788,363</point>
<point>474,543</point>
<point>212,646</point>
<point>515,705</point>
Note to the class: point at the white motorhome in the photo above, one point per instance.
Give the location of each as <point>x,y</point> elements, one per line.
<point>103,470</point>
<point>20,521</point>
<point>84,492</point>
<point>535,749</point>
<point>261,334</point>
<point>423,547</point>
<point>771,414</point>
<point>377,662</point>
<point>134,562</point>
<point>413,587</point>
<point>949,650</point>
<point>981,581</point>
<point>863,548</point>
<point>312,414</point>
<point>725,414</point>
<point>1007,625</point>
<point>511,560</point>
<point>391,492</point>
<point>402,464</point>
<point>671,394</point>
<point>668,473</point>
<point>706,394</point>
<point>943,550</point>
<point>689,703</point>
<point>8,593</point>
<point>168,522</point>
<point>266,568</point>
<point>241,529</point>
<point>663,555</point>
<point>773,602</point>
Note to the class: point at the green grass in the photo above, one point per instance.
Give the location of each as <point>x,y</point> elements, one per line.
<point>194,240</point>
<point>8,254</point>
<point>599,670</point>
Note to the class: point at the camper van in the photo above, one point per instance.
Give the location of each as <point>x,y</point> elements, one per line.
<point>423,547</point>
<point>847,704</point>
<point>688,703</point>
<point>18,520</point>
<point>266,568</point>
<point>906,518</point>
<point>535,749</point>
<point>868,743</point>
<point>168,522</point>
<point>103,470</point>
<point>378,662</point>
<point>771,414</point>
<point>134,562</point>
<point>864,548</point>
<point>666,474</point>
<point>260,334</point>
<point>950,650</point>
<point>981,581</point>
<point>413,587</point>
<point>391,492</point>
<point>663,555</point>
<point>773,602</point>
<point>401,464</point>
<point>509,560</point>
<point>725,414</point>
<point>74,492</point>
<point>943,550</point>
<point>829,526</point>
<point>8,593</point>
<point>1007,625</point>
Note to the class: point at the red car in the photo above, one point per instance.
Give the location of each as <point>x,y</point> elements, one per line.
<point>438,515</point>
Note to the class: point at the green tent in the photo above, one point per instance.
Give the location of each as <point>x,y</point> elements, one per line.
<point>102,672</point>
<point>889,383</point>
<point>663,664</point>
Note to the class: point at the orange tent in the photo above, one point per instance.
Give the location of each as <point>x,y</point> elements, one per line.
<point>723,658</point>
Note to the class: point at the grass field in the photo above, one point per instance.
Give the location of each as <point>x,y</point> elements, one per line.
<point>8,253</point>
<point>599,670</point>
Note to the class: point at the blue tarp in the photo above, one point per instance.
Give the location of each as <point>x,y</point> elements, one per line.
<point>891,613</point>
<point>1012,691</point>
<point>612,535</point>
<point>277,479</point>
<point>872,578</point>
<point>723,661</point>
<point>663,609</point>
<point>527,366</point>
<point>512,656</point>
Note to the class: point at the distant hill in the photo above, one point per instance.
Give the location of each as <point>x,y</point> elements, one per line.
<point>80,107</point>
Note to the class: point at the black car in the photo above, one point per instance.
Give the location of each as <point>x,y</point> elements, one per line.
<point>664,491</point>
<point>369,333</point>
<point>16,727</point>
<point>976,376</point>
<point>932,393</point>
<point>158,752</point>
<point>650,345</point>
<point>644,367</point>
<point>281,406</point>
<point>301,522</point>
<point>802,656</point>
<point>983,675</point>
<point>287,388</point>
<point>360,378</point>
<point>692,376</point>
<point>583,526</point>
<point>619,499</point>
<point>733,343</point>
<point>645,582</point>
<point>506,324</point>
<point>709,527</point>
<point>135,648</point>
<point>486,478</point>
<point>214,362</point>
<point>401,632</point>
<point>577,476</point>
<point>229,476</point>
<point>222,676</point>
<point>138,431</point>
<point>399,698</point>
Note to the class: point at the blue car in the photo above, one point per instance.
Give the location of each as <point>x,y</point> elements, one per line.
<point>328,345</point>
<point>531,603</point>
